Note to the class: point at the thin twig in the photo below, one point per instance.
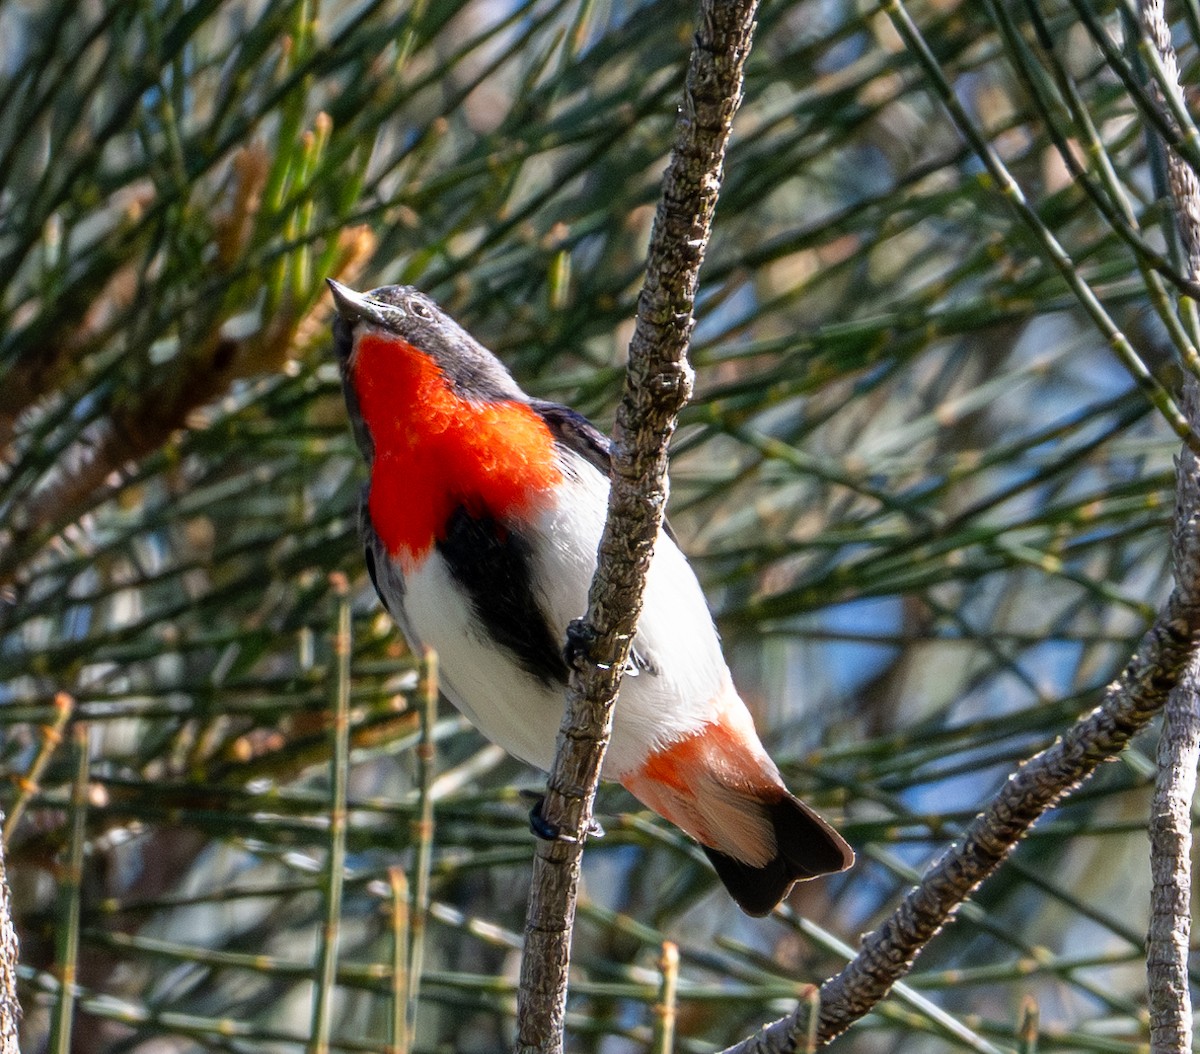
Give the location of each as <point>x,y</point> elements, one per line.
<point>658,384</point>
<point>27,785</point>
<point>1027,1029</point>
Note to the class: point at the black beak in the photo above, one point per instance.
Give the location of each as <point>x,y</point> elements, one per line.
<point>355,307</point>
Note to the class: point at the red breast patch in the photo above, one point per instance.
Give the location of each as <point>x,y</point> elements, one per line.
<point>435,450</point>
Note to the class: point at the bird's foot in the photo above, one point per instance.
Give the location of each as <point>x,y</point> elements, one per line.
<point>538,824</point>
<point>551,832</point>
<point>581,636</point>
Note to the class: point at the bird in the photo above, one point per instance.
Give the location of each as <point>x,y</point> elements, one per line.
<point>480,524</point>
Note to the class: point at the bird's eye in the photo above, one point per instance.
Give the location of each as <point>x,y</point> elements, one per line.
<point>420,310</point>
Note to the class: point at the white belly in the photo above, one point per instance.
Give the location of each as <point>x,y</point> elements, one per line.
<point>509,706</point>
<point>519,712</point>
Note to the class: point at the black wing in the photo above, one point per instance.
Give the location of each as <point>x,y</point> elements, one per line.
<point>579,434</point>
<point>494,567</point>
<point>576,432</point>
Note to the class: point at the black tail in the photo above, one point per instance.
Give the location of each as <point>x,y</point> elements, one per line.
<point>806,847</point>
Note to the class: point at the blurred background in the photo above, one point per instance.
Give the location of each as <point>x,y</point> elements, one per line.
<point>929,504</point>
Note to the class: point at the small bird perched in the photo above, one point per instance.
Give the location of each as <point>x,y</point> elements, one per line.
<point>481,524</point>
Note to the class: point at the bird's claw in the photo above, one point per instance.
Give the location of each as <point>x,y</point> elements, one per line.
<point>539,825</point>
<point>550,832</point>
<point>581,636</point>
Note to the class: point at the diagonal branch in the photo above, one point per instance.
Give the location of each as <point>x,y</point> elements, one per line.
<point>658,384</point>
<point>1130,703</point>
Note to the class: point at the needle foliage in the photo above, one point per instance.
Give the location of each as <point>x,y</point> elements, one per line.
<point>926,481</point>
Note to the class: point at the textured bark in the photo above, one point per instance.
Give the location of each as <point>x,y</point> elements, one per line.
<point>1185,188</point>
<point>1170,868</point>
<point>1169,935</point>
<point>10,1008</point>
<point>658,384</point>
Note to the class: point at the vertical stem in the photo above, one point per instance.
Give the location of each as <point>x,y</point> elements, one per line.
<point>1027,1031</point>
<point>399,1039</point>
<point>336,858</point>
<point>70,893</point>
<point>1169,935</point>
<point>665,1010</point>
<point>422,836</point>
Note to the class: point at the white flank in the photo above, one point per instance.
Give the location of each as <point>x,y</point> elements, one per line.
<point>517,711</point>
<point>512,708</point>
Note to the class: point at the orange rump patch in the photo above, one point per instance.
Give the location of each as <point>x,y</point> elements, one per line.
<point>713,784</point>
<point>717,750</point>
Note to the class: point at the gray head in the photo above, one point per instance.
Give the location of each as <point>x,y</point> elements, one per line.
<point>406,313</point>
